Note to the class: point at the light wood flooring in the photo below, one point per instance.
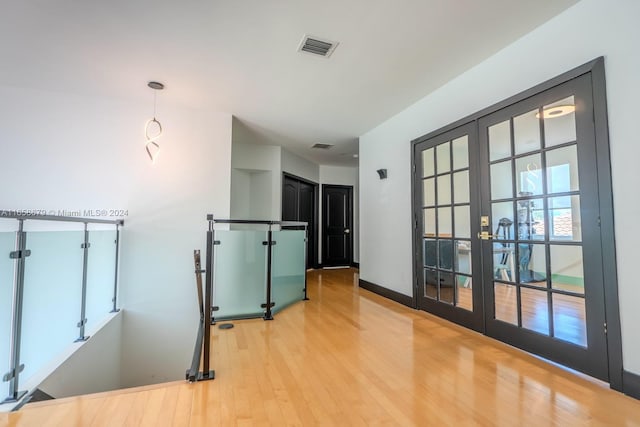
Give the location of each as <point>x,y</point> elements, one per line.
<point>350,357</point>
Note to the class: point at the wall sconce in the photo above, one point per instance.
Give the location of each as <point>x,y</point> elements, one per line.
<point>152,147</point>
<point>382,173</point>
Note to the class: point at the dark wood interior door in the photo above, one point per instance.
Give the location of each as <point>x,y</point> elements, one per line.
<point>299,204</point>
<point>337,220</point>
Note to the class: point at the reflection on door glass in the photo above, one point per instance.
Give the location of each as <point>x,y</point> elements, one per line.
<point>443,158</point>
<point>446,287</point>
<point>526,132</point>
<point>564,218</point>
<point>532,265</point>
<point>462,221</point>
<point>529,175</point>
<point>430,283</point>
<point>464,298</point>
<point>429,222</point>
<point>444,222</point>
<point>535,310</point>
<point>430,253</point>
<point>461,187</point>
<point>531,224</point>
<point>567,269</point>
<point>569,319</point>
<point>445,254</point>
<point>444,189</point>
<point>463,257</point>
<point>506,303</point>
<point>502,220</point>
<point>501,185</point>
<point>460,152</point>
<point>560,122</point>
<point>429,192</point>
<point>500,141</point>
<point>428,168</point>
<point>504,262</point>
<point>562,170</point>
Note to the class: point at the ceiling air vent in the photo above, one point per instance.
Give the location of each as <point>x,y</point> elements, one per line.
<point>322,146</point>
<point>317,46</point>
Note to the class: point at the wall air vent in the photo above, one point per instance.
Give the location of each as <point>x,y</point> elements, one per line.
<point>322,146</point>
<point>317,46</point>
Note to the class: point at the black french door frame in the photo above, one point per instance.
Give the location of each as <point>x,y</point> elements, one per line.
<point>596,72</point>
<point>471,319</point>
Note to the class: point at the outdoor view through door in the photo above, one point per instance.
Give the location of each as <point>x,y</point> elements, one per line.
<point>513,247</point>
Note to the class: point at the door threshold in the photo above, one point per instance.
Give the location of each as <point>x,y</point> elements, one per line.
<point>337,267</point>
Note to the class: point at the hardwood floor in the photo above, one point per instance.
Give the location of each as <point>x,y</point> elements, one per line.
<point>350,357</point>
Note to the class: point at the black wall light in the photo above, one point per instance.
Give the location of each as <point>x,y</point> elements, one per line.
<point>382,173</point>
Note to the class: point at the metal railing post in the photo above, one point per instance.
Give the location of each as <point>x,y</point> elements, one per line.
<point>206,372</point>
<point>15,367</point>
<point>83,305</point>
<point>306,259</point>
<point>115,275</point>
<point>268,315</point>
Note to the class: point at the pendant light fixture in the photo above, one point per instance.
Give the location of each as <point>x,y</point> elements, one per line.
<point>153,128</point>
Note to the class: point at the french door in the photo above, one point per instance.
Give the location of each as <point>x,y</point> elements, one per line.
<point>508,226</point>
<point>449,271</point>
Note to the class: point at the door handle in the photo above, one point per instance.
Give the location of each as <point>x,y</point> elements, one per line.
<point>347,231</point>
<point>484,235</point>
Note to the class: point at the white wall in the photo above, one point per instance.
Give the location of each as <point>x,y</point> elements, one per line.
<point>250,159</point>
<point>63,151</point>
<point>93,368</point>
<point>587,30</point>
<point>240,194</point>
<point>342,175</point>
<point>303,168</point>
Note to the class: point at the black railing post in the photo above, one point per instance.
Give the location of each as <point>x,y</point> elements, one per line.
<point>306,259</point>
<point>268,315</point>
<point>83,305</point>
<point>206,372</point>
<point>19,255</point>
<point>115,274</point>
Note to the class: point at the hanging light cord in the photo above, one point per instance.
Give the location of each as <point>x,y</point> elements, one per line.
<point>152,147</point>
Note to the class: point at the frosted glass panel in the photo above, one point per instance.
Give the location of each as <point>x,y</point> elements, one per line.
<point>7,244</point>
<point>52,296</point>
<point>100,276</point>
<point>240,273</point>
<point>288,268</point>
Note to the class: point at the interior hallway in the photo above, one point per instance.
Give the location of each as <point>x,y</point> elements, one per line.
<point>351,357</point>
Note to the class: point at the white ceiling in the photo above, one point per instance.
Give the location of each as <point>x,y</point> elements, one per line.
<point>240,56</point>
